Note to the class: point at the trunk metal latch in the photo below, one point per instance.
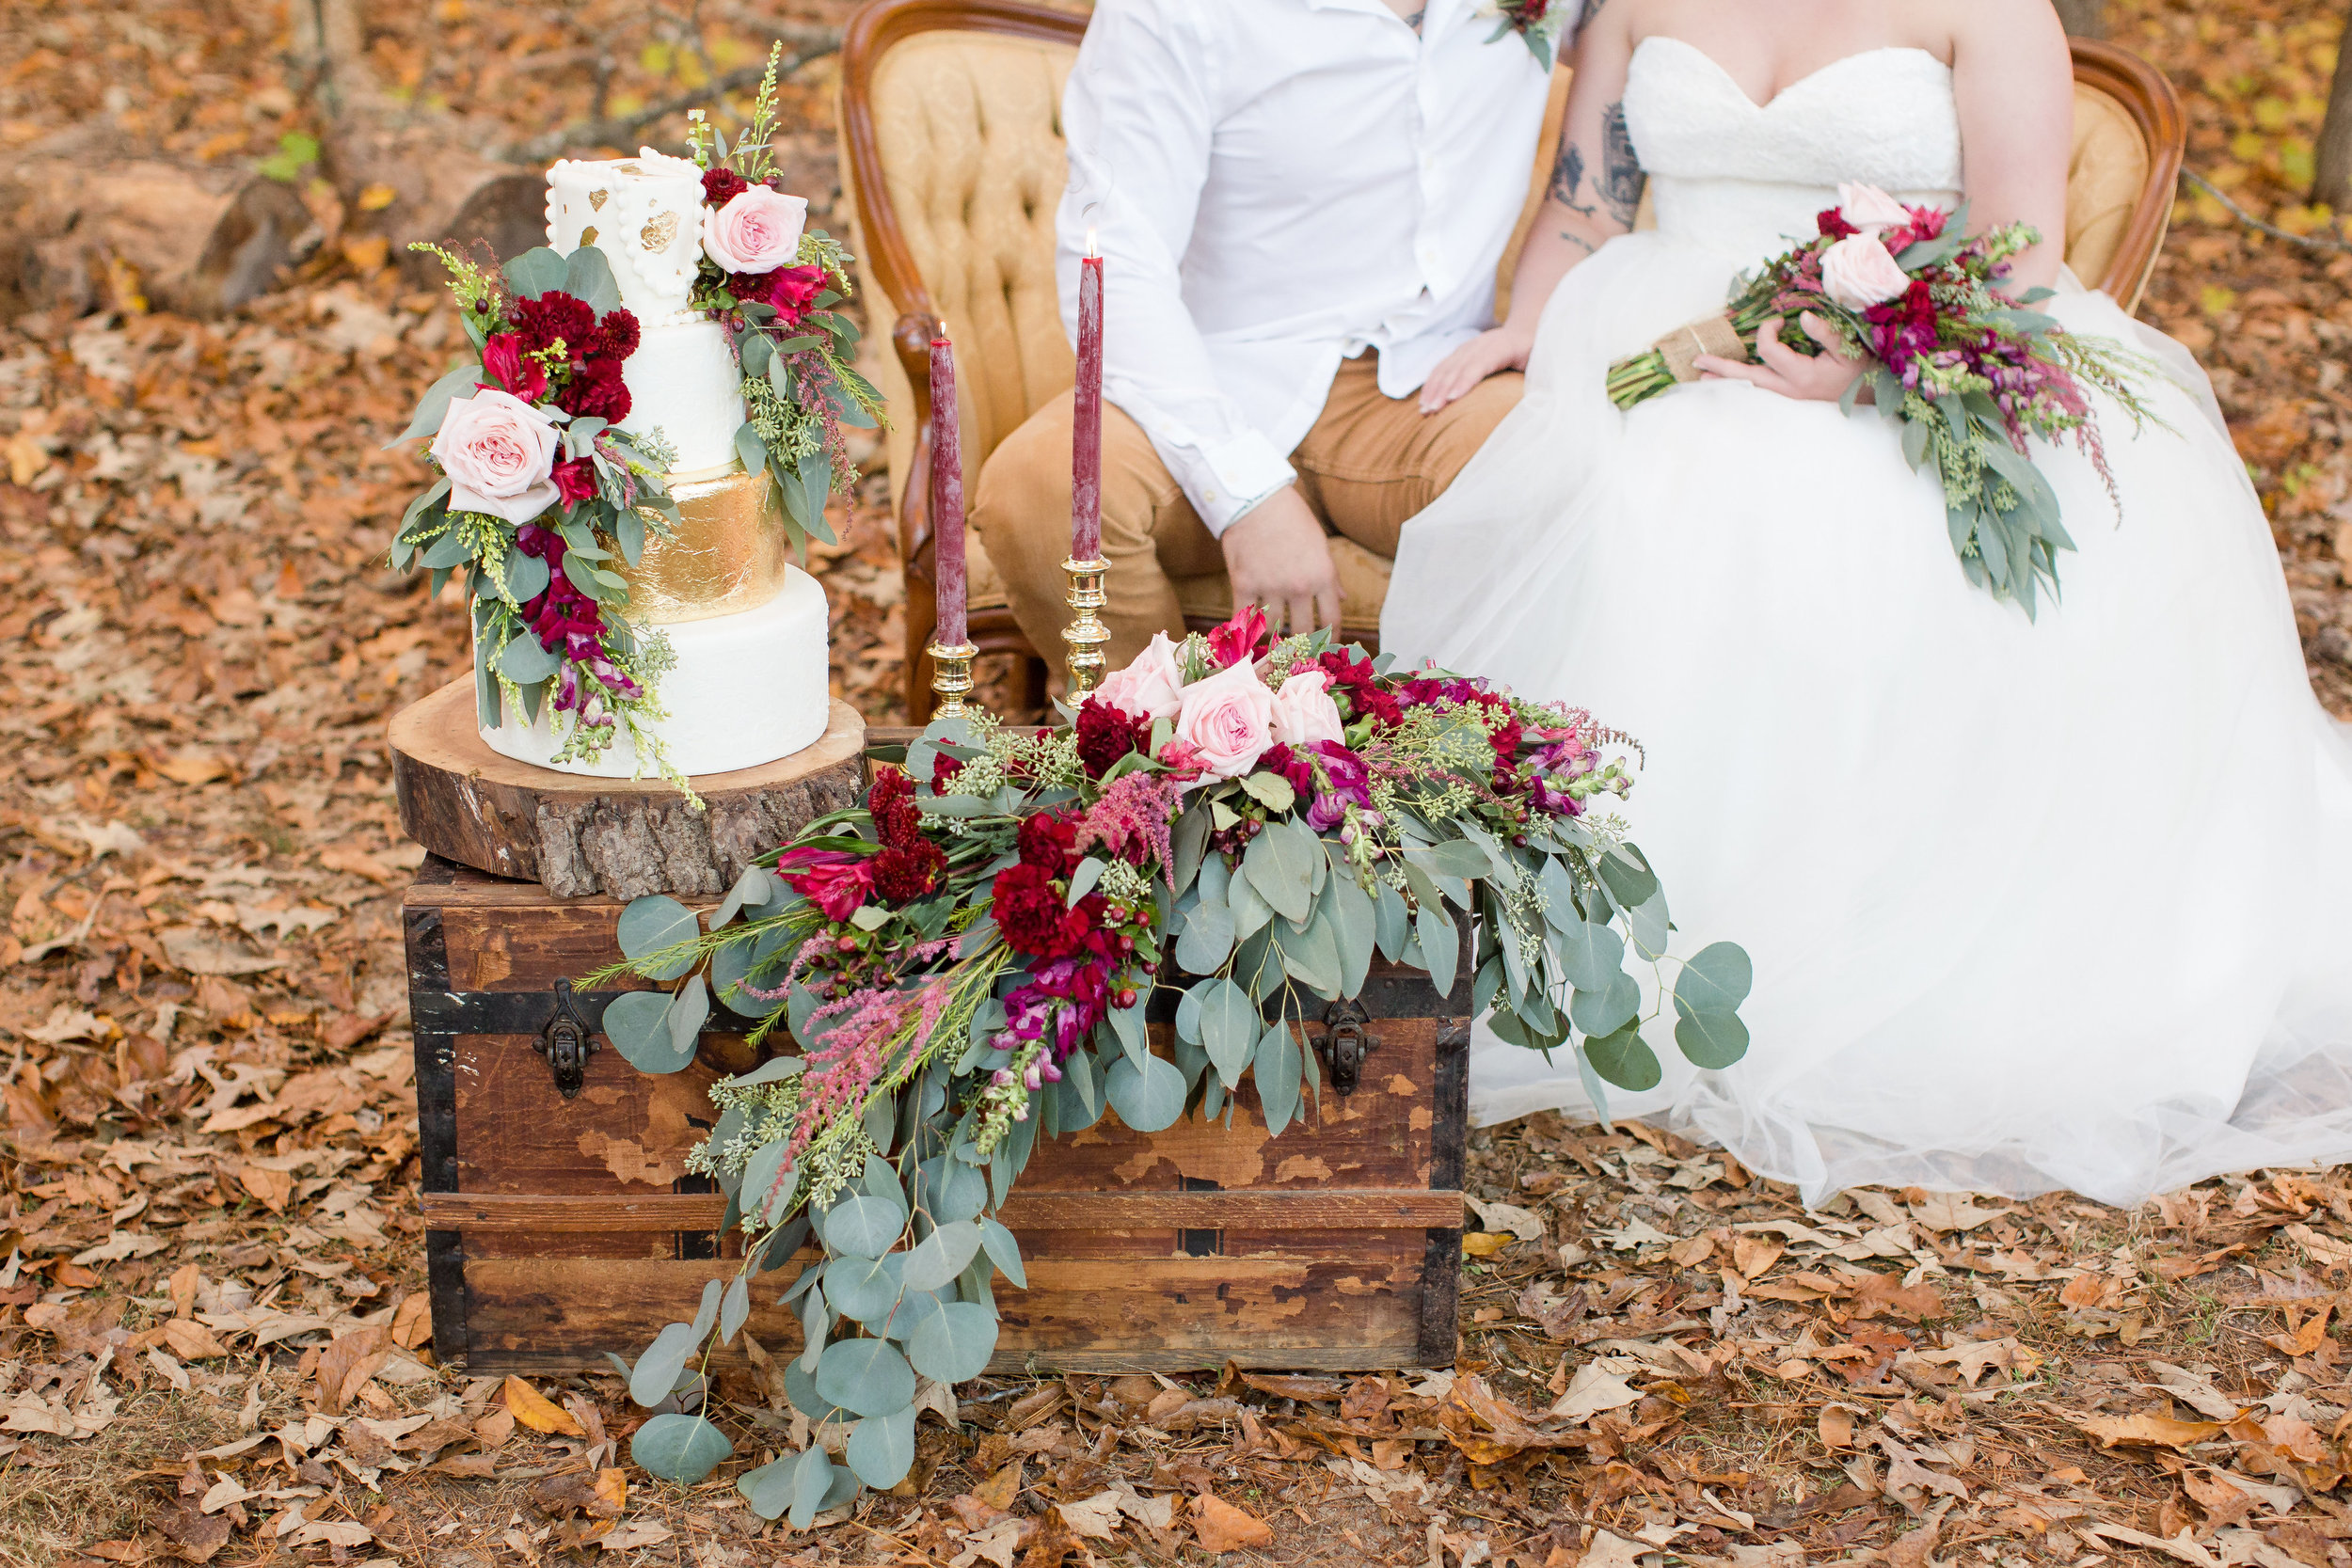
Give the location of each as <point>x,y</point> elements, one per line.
<point>565,1043</point>
<point>1345,1043</point>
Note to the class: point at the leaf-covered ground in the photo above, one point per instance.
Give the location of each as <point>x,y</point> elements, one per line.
<point>212,1347</point>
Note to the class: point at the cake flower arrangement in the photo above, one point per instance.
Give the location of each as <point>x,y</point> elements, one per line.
<point>540,491</point>
<point>775,286</point>
<point>1223,838</point>
<point>1971,373</point>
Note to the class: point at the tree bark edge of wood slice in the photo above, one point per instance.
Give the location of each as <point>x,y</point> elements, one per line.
<point>577,836</point>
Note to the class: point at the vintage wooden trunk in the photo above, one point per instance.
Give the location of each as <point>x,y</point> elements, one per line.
<point>561,1228</point>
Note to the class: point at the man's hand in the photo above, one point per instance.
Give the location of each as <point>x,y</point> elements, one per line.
<point>1279,558</point>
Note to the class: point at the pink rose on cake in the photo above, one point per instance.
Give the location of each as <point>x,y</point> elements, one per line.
<point>497,452</point>
<point>1228,720</point>
<point>757,231</point>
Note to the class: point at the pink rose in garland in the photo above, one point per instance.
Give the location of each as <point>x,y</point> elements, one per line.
<point>1303,710</point>
<point>1148,688</point>
<point>757,231</point>
<point>497,451</point>
<point>1228,720</point>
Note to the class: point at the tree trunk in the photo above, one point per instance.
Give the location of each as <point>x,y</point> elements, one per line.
<point>405,175</point>
<point>2084,19</point>
<point>87,230</point>
<point>2334,183</point>
<point>447,186</point>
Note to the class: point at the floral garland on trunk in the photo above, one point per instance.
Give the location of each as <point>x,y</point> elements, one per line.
<point>966,960</point>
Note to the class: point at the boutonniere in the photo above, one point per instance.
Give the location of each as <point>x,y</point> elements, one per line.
<point>1537,22</point>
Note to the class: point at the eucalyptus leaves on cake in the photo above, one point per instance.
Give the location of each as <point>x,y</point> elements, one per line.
<point>966,960</point>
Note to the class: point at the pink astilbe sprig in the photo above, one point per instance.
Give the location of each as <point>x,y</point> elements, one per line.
<point>1133,820</point>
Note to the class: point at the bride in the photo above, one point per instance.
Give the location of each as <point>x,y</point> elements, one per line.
<point>2058,903</point>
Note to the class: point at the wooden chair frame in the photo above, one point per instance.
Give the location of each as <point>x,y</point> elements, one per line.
<point>2147,95</point>
<point>2139,87</point>
<point>872,32</point>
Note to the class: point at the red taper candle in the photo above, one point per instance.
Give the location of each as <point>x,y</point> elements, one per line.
<point>947,492</point>
<point>1086,420</point>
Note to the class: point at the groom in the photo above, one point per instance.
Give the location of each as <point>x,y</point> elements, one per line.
<point>1301,204</point>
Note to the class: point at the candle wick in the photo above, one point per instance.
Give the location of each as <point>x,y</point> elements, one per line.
<point>1093,250</point>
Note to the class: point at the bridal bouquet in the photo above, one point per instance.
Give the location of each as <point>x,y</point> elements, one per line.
<point>1968,371</point>
<point>540,489</point>
<point>1233,826</point>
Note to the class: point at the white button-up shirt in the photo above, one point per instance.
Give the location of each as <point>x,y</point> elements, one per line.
<point>1278,185</point>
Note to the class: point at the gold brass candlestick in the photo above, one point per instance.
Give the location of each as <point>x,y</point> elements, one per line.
<point>1087,634</point>
<point>952,678</point>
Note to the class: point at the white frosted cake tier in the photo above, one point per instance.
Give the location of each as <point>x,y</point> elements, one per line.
<point>683,381</point>
<point>749,688</point>
<point>646,214</point>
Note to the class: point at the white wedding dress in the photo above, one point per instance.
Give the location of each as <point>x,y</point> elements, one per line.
<point>2032,905</point>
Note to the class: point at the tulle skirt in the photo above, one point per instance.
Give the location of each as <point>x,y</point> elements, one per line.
<point>2033,905</point>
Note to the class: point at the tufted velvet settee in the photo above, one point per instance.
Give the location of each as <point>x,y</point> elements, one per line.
<point>952,158</point>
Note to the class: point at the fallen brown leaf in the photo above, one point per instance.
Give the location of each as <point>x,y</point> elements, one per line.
<point>999,1490</point>
<point>529,1406</point>
<point>2148,1429</point>
<point>412,1321</point>
<point>272,1187</point>
<point>345,1365</point>
<point>1218,1526</point>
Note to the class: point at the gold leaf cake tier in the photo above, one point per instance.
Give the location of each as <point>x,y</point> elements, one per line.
<point>727,553</point>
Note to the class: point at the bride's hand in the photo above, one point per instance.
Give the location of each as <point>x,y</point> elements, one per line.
<point>1493,351</point>
<point>1822,379</point>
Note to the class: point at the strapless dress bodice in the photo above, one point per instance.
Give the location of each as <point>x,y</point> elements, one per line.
<point>1739,176</point>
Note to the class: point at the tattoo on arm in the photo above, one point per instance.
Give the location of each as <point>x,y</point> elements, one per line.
<point>1567,175</point>
<point>1592,8</point>
<point>1621,178</point>
<point>1578,241</point>
<point>1414,21</point>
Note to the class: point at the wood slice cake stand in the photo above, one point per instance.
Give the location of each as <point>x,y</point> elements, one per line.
<point>623,838</point>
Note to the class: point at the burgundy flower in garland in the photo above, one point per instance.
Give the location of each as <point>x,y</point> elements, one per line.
<point>1243,638</point>
<point>1354,679</point>
<point>1107,733</point>
<point>909,865</point>
<point>1030,910</point>
<point>1030,906</point>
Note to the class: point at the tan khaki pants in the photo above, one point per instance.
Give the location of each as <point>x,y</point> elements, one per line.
<point>1370,463</point>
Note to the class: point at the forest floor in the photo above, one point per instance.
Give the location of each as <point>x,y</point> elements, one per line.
<point>212,1343</point>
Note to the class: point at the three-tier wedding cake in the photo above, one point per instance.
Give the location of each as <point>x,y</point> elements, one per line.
<point>748,630</point>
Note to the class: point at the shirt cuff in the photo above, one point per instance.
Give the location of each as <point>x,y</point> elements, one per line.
<point>1234,476</point>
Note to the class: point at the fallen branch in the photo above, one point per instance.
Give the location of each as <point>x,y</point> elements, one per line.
<point>2310,242</point>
